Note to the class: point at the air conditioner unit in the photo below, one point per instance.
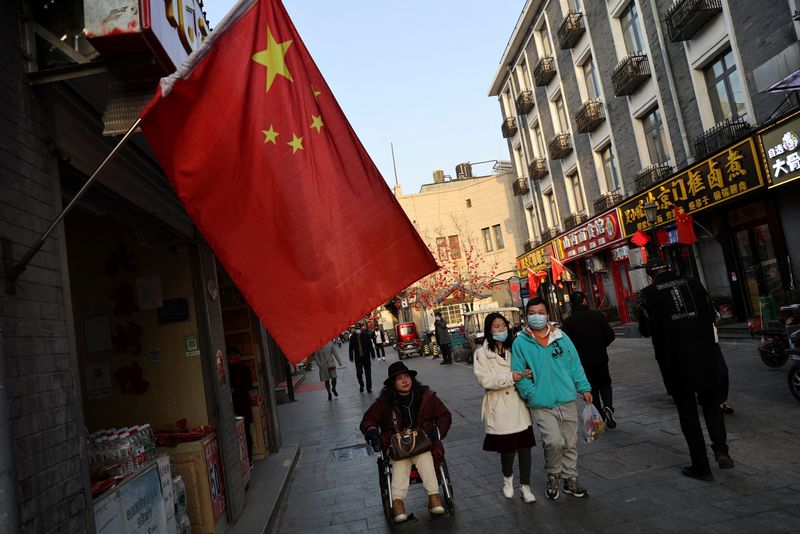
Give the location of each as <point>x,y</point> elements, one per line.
<point>598,264</point>
<point>635,257</point>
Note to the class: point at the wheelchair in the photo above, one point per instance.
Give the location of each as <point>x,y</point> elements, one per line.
<point>385,481</point>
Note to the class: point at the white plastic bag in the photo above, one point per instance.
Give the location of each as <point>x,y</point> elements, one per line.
<point>593,424</point>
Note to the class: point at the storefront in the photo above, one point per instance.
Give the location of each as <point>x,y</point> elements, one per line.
<point>556,294</point>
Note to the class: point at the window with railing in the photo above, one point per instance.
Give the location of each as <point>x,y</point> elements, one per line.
<point>631,29</point>
<point>655,137</point>
<point>725,88</point>
<point>610,175</point>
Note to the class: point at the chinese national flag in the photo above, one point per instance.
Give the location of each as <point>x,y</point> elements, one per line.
<point>555,264</point>
<point>276,180</point>
<point>535,279</point>
<point>685,223</point>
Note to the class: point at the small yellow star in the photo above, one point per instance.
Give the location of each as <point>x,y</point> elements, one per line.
<point>316,93</point>
<point>296,143</point>
<point>273,58</point>
<point>270,135</point>
<point>317,124</point>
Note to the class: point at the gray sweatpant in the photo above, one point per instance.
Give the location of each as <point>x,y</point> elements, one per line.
<point>559,430</point>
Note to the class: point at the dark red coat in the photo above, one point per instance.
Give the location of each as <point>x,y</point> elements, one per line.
<point>432,413</point>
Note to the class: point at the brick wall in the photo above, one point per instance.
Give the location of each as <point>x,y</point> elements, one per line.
<point>44,415</point>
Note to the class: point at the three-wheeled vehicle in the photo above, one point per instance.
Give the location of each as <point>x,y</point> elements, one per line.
<point>407,340</point>
<point>473,325</point>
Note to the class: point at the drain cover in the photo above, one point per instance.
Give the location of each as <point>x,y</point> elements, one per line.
<point>350,453</point>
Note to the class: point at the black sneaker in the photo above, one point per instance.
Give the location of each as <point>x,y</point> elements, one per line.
<point>608,415</point>
<point>551,489</point>
<point>571,486</point>
<point>724,460</point>
<point>727,410</point>
<point>692,472</point>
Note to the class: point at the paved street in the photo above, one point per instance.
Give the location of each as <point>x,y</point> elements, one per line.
<point>632,473</point>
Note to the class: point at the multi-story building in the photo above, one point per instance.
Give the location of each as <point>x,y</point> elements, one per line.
<point>616,108</point>
<point>472,224</point>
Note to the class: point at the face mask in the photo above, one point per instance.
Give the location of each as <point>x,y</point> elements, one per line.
<point>500,336</point>
<point>537,322</point>
<point>358,331</point>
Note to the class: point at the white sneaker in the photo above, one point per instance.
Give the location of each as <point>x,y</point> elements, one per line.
<point>527,494</point>
<point>508,487</point>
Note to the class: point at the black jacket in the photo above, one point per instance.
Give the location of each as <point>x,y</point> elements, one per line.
<point>367,348</point>
<point>442,333</point>
<point>590,332</point>
<point>677,312</point>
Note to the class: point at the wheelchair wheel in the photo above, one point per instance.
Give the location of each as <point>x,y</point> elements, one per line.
<point>385,481</point>
<point>447,488</point>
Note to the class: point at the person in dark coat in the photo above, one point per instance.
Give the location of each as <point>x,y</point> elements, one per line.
<point>405,403</point>
<point>443,339</point>
<point>362,352</point>
<point>591,334</point>
<point>677,312</point>
<point>241,384</point>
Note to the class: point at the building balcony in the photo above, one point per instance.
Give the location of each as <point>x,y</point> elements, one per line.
<point>687,17</point>
<point>529,245</point>
<point>544,71</point>
<point>538,169</point>
<point>721,135</point>
<point>509,127</point>
<point>629,74</point>
<point>560,146</point>
<point>589,116</point>
<point>521,186</point>
<point>606,201</point>
<point>651,175</point>
<point>574,220</point>
<point>570,30</point>
<point>550,234</point>
<point>524,102</point>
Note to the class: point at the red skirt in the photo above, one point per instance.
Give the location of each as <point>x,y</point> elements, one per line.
<point>509,442</point>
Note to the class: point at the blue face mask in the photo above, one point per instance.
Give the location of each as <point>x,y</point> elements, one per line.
<point>500,336</point>
<point>536,321</point>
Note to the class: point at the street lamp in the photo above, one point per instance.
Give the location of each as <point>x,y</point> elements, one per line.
<point>650,212</point>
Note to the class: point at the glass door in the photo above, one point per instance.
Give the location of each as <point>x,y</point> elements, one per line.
<point>757,260</point>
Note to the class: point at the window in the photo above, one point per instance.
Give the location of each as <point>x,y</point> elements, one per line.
<point>441,248</point>
<point>574,183</point>
<point>575,5</point>
<point>725,88</point>
<point>655,137</point>
<point>561,115</point>
<point>537,135</point>
<point>498,236</point>
<point>545,38</point>
<point>530,218</point>
<point>609,169</point>
<point>451,314</point>
<point>523,76</point>
<point>590,79</point>
<point>487,240</point>
<point>469,202</point>
<point>631,31</point>
<point>550,204</point>
<point>506,103</point>
<point>455,248</point>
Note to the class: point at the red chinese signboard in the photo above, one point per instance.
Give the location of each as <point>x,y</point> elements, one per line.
<point>215,480</point>
<point>597,234</point>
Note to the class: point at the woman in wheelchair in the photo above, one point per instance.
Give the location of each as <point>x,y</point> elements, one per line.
<point>404,403</point>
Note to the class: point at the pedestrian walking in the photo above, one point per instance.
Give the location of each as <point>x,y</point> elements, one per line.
<point>362,352</point>
<point>679,316</point>
<point>327,360</point>
<point>550,390</point>
<point>404,403</point>
<point>591,334</point>
<point>443,339</point>
<point>241,380</point>
<point>509,430</point>
<point>380,339</point>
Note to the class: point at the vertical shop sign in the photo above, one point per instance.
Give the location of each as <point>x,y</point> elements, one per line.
<point>214,465</point>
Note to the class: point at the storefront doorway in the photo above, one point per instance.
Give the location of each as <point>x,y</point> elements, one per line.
<point>757,264</point>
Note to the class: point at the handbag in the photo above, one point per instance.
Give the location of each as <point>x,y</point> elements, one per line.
<point>407,443</point>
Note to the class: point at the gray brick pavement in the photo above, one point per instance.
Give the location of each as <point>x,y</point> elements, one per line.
<point>632,473</point>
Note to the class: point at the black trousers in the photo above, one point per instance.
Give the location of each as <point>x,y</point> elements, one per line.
<point>602,397</point>
<point>364,367</point>
<point>447,354</point>
<point>379,352</point>
<point>686,403</point>
<point>507,464</point>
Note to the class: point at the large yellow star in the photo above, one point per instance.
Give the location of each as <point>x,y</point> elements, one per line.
<point>317,122</point>
<point>296,143</point>
<point>270,135</point>
<point>273,58</point>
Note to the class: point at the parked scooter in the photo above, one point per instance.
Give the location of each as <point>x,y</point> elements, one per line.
<point>794,352</point>
<point>774,345</point>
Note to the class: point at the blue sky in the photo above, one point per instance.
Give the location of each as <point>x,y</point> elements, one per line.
<point>415,73</point>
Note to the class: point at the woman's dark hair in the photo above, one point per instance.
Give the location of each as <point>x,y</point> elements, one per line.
<point>577,298</point>
<point>534,301</point>
<point>487,331</point>
<point>390,394</point>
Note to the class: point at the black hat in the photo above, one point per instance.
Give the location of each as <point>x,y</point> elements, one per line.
<point>656,266</point>
<point>397,368</point>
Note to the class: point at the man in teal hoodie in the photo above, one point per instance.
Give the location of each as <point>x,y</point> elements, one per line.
<point>556,375</point>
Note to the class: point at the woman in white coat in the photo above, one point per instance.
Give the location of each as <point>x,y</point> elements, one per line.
<point>509,430</point>
<point>327,360</point>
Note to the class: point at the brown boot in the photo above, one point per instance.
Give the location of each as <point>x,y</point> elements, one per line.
<point>435,504</point>
<point>399,510</point>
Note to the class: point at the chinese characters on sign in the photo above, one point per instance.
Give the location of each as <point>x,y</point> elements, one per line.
<point>726,175</point>
<point>593,235</point>
<point>780,146</point>
<point>537,259</point>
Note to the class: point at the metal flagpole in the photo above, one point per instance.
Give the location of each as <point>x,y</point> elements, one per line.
<point>13,270</point>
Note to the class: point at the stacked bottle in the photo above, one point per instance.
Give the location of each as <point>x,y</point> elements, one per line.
<point>122,451</point>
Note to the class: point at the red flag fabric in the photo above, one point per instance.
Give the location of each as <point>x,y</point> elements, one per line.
<point>535,279</point>
<point>685,223</point>
<point>640,238</point>
<point>277,182</point>
<point>555,264</point>
<point>662,236</point>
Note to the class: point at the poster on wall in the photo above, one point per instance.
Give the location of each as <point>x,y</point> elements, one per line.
<point>143,504</point>
<point>98,380</point>
<point>214,464</point>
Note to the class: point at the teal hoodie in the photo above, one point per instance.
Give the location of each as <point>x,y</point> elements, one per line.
<point>556,368</point>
